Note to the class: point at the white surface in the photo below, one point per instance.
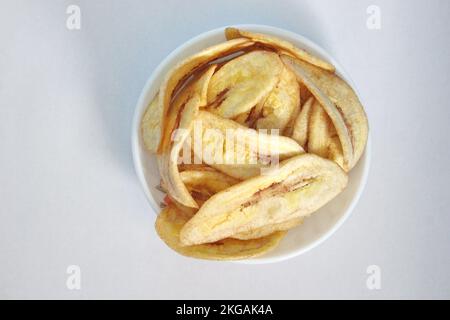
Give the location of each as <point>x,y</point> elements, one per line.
<point>316,228</point>
<point>69,194</point>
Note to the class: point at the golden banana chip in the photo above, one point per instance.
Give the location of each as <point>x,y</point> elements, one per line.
<point>278,107</point>
<point>171,220</point>
<point>168,160</point>
<point>282,45</point>
<point>331,109</point>
<point>184,69</point>
<point>242,82</point>
<point>301,124</point>
<point>236,150</point>
<point>198,86</point>
<point>298,187</point>
<point>206,182</point>
<point>336,91</point>
<point>322,138</point>
<point>151,125</point>
<point>269,229</point>
<point>185,109</point>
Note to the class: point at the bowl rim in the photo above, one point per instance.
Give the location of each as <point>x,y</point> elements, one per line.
<point>279,32</point>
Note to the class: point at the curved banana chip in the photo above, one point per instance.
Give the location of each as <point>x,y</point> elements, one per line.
<point>236,150</point>
<point>277,109</point>
<point>181,72</point>
<point>269,229</point>
<point>206,183</point>
<point>242,82</point>
<point>342,106</point>
<point>185,109</point>
<point>197,86</point>
<point>203,184</point>
<point>151,125</point>
<point>298,187</point>
<point>322,138</point>
<point>301,124</point>
<point>331,109</point>
<point>195,167</point>
<point>171,221</point>
<point>282,45</point>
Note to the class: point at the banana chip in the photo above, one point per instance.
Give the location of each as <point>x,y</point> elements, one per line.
<point>197,86</point>
<point>269,229</point>
<point>298,187</point>
<point>185,109</point>
<point>195,167</point>
<point>242,82</point>
<point>206,182</point>
<point>342,106</point>
<point>182,71</point>
<point>322,138</point>
<point>171,221</point>
<point>249,147</point>
<point>281,103</point>
<point>331,109</point>
<point>151,125</point>
<point>282,45</point>
<point>300,131</point>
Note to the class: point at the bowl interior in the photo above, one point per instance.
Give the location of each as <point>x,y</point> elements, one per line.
<point>318,226</point>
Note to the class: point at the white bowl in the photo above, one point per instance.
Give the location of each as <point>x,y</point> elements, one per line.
<point>319,226</point>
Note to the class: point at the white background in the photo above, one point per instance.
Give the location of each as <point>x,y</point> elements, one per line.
<point>69,195</point>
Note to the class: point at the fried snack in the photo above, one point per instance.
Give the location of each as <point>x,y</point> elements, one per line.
<point>171,221</point>
<point>206,183</point>
<point>151,125</point>
<point>281,45</point>
<point>298,187</point>
<point>278,107</point>
<point>195,167</point>
<point>300,130</point>
<point>176,76</point>
<point>185,109</point>
<point>251,147</point>
<point>269,229</point>
<point>331,109</point>
<point>203,184</point>
<point>322,138</point>
<point>242,82</point>
<point>335,91</point>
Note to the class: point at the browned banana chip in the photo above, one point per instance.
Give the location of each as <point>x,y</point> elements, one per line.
<point>171,220</point>
<point>346,102</point>
<point>301,124</point>
<point>242,82</point>
<point>331,109</point>
<point>298,187</point>
<point>243,155</point>
<point>282,45</point>
<point>195,167</point>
